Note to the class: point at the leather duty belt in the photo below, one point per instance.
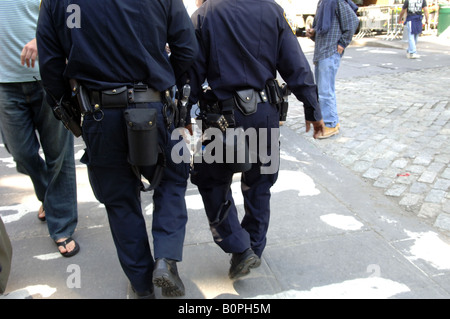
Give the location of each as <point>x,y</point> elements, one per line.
<point>122,96</point>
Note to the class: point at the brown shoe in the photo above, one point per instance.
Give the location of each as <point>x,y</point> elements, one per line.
<point>329,131</point>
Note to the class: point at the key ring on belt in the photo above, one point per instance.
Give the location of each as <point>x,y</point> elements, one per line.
<point>98,114</point>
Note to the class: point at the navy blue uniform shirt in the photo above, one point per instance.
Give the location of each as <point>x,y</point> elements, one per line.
<point>242,44</point>
<point>110,43</point>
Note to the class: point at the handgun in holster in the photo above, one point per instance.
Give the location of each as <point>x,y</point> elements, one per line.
<point>170,109</point>
<point>182,101</point>
<point>65,111</point>
<point>279,95</point>
<point>69,111</point>
<point>284,106</point>
<point>81,95</point>
<point>69,115</point>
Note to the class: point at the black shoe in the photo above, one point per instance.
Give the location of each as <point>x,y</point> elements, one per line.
<point>144,294</point>
<point>165,275</point>
<point>242,262</point>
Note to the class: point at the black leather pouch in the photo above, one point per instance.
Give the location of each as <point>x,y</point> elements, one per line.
<point>142,136</point>
<point>116,97</point>
<point>246,101</point>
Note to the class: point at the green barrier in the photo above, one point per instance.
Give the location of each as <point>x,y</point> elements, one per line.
<point>444,18</point>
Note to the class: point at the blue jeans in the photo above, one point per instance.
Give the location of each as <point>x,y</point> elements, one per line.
<point>412,39</point>
<point>23,111</point>
<point>325,72</point>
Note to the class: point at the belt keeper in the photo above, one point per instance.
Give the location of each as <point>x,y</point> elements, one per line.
<point>263,96</point>
<point>130,95</point>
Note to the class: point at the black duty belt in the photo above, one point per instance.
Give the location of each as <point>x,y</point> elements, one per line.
<point>123,96</point>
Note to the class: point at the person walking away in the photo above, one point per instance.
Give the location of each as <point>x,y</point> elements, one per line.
<point>412,10</point>
<point>332,31</point>
<point>128,76</point>
<point>23,112</point>
<point>239,56</point>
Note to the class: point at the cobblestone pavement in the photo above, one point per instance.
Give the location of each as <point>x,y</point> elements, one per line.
<point>396,136</point>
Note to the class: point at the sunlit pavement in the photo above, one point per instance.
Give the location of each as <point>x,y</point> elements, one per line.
<point>333,234</point>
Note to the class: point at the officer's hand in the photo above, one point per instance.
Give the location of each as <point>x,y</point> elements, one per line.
<point>189,128</point>
<point>310,33</point>
<point>318,127</point>
<point>29,54</point>
<point>185,132</point>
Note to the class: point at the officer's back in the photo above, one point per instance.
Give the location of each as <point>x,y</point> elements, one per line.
<point>248,41</point>
<point>117,50</point>
<point>116,42</point>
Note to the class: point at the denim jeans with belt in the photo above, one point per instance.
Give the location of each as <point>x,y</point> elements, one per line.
<point>412,39</point>
<point>325,72</point>
<point>27,124</point>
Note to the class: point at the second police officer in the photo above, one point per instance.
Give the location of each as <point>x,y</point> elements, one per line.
<point>116,50</point>
<point>243,43</point>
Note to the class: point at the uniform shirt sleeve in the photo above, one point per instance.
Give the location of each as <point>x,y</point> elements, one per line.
<point>197,74</point>
<point>52,60</point>
<point>295,70</point>
<point>183,48</point>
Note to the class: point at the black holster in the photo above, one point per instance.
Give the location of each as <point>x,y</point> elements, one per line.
<point>68,113</point>
<point>279,96</point>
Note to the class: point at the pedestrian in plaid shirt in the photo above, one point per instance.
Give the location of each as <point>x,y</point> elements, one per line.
<point>332,31</point>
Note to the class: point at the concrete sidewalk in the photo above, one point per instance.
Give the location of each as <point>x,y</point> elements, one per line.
<point>332,235</point>
<point>427,41</point>
<point>395,127</point>
<point>336,229</point>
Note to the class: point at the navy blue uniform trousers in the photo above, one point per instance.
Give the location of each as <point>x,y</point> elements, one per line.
<point>116,186</point>
<point>214,179</point>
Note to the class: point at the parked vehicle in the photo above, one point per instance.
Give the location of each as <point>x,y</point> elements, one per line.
<point>300,13</point>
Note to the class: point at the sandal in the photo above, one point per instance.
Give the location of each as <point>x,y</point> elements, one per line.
<point>68,253</point>
<point>41,211</point>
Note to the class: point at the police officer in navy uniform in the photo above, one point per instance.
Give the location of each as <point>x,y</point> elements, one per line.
<point>106,46</point>
<point>243,43</point>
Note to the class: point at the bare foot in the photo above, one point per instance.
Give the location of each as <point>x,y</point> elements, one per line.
<point>67,248</point>
<point>41,213</point>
